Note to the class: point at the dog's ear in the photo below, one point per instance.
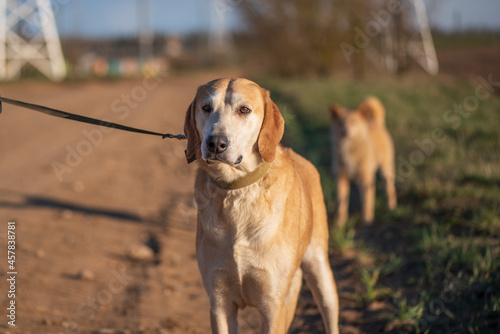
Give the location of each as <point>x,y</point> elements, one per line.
<point>191,133</point>
<point>366,111</point>
<point>272,129</point>
<point>336,111</point>
<point>372,110</point>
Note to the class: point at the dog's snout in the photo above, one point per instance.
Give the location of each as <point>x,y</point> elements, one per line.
<point>217,144</point>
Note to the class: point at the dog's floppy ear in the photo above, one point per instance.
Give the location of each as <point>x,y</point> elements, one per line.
<point>272,129</point>
<point>191,133</point>
<point>336,111</point>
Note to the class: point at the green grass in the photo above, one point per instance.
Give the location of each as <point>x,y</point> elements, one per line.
<point>371,290</point>
<point>439,251</point>
<point>410,313</point>
<point>342,237</point>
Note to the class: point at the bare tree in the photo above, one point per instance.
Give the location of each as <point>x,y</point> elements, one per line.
<point>316,37</point>
<point>294,37</point>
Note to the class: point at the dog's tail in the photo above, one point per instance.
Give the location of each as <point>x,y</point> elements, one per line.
<point>373,110</point>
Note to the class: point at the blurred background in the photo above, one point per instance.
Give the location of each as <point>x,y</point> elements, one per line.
<point>95,208</point>
<point>119,38</point>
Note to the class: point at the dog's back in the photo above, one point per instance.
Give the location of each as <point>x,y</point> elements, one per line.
<point>310,180</point>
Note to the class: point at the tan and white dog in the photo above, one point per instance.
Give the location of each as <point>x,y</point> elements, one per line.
<point>262,221</point>
<point>362,145</point>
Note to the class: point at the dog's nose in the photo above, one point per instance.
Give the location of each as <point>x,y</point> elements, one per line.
<point>217,144</point>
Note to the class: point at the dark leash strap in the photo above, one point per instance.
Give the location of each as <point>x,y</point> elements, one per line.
<point>83,119</point>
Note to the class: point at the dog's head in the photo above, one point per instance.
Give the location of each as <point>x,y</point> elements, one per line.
<point>353,124</point>
<point>233,122</point>
<point>347,124</point>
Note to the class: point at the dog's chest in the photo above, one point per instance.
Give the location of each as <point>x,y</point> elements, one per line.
<point>238,240</point>
<point>355,155</point>
<point>239,217</point>
<point>349,155</point>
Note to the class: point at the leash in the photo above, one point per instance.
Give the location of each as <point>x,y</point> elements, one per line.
<point>83,119</point>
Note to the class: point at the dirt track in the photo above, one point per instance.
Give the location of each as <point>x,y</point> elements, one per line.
<point>118,190</point>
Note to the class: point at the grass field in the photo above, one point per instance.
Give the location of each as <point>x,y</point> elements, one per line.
<point>435,259</point>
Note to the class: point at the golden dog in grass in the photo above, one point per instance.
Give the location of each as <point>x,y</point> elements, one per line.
<point>362,145</point>
<point>262,221</point>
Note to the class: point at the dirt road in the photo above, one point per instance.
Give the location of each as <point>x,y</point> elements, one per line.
<point>83,197</point>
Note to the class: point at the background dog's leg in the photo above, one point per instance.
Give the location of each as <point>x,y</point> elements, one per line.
<point>342,198</point>
<point>319,278</point>
<point>387,170</point>
<point>367,188</point>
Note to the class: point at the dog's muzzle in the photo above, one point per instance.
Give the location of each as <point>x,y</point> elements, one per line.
<point>216,148</point>
<point>217,144</point>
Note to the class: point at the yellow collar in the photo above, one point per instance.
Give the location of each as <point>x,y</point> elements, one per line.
<point>245,180</point>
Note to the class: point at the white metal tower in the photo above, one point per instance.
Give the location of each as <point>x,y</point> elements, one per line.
<point>28,35</point>
<point>425,56</point>
<point>418,44</point>
<point>220,43</point>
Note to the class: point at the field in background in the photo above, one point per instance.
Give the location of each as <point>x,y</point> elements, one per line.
<point>434,261</point>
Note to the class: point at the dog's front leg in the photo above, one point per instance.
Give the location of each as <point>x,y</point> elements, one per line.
<point>223,316</point>
<point>367,187</point>
<point>319,278</point>
<point>273,318</point>
<point>342,198</point>
<point>223,310</point>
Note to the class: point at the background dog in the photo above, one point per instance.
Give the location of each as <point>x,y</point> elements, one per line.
<point>362,145</point>
<point>262,221</point>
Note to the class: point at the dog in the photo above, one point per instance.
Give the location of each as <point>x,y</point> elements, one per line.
<point>362,145</point>
<point>262,221</point>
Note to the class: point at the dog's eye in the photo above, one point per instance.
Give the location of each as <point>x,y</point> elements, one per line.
<point>245,110</point>
<point>207,108</point>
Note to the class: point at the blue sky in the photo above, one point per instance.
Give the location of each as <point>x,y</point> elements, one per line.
<point>449,14</point>
<point>119,17</point>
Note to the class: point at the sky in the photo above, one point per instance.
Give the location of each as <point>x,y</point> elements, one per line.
<point>106,18</point>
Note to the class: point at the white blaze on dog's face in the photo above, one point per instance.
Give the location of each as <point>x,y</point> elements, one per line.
<point>228,116</point>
